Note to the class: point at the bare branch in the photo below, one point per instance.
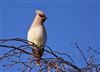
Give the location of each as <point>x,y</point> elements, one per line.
<point>15,54</point>
<point>81,53</point>
<point>94,51</point>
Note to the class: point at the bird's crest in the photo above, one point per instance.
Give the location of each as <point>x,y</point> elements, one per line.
<point>39,12</point>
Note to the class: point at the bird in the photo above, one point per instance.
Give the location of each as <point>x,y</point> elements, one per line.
<point>37,34</point>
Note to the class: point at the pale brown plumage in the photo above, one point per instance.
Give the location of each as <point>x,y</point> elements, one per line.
<point>37,34</point>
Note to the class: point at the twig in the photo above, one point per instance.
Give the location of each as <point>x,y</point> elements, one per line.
<point>66,55</point>
<point>94,51</point>
<point>62,60</point>
<point>81,53</point>
<point>6,46</point>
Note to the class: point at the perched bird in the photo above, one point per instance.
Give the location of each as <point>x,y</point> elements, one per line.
<point>37,34</point>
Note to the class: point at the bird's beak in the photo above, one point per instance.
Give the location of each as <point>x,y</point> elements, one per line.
<point>45,17</point>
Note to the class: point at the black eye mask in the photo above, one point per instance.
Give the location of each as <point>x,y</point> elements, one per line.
<point>41,15</point>
<point>43,19</point>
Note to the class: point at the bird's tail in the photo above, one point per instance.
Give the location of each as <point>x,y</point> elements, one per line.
<point>37,53</point>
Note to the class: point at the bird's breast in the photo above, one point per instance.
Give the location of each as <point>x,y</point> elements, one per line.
<point>37,35</point>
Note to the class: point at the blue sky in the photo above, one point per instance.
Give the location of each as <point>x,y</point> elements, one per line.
<point>68,21</point>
